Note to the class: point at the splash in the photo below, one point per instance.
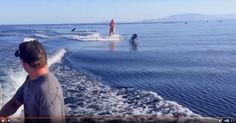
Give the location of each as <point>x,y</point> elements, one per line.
<point>41,35</point>
<point>56,57</point>
<point>87,96</point>
<point>94,37</point>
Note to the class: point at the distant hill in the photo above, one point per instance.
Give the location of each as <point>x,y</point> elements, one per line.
<point>193,17</point>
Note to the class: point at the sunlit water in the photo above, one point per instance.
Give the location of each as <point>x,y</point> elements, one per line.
<point>177,69</point>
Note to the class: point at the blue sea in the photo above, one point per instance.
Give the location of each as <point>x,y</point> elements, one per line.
<point>177,69</point>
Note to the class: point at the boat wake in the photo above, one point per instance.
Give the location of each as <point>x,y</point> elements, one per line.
<point>88,96</point>
<point>93,37</point>
<point>85,95</point>
<point>41,35</point>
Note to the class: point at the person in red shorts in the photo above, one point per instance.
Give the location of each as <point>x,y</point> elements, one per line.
<point>112,27</point>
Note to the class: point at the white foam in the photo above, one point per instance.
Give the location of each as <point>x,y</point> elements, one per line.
<point>40,35</point>
<point>84,96</point>
<point>56,57</point>
<point>28,39</point>
<point>16,79</point>
<point>94,37</point>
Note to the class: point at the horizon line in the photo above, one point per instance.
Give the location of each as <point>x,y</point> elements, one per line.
<point>125,22</point>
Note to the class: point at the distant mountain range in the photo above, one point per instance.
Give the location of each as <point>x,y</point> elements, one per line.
<point>193,17</point>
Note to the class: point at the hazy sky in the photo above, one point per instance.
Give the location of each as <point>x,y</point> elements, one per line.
<point>87,11</point>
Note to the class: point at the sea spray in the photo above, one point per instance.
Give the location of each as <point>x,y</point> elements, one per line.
<point>94,37</point>
<point>56,57</point>
<point>89,96</point>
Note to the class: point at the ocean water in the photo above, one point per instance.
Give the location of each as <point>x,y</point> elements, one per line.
<point>177,69</point>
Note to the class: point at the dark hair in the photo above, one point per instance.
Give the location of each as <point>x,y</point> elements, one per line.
<point>33,53</point>
<point>134,36</point>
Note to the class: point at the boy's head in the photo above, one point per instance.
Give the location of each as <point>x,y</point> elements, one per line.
<point>33,53</point>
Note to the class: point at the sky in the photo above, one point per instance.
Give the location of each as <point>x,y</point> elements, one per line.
<point>95,11</point>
